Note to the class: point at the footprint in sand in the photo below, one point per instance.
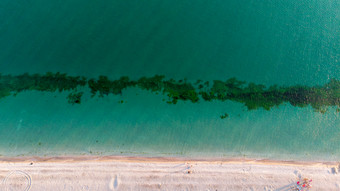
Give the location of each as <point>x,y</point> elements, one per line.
<point>334,170</point>
<point>298,173</point>
<point>337,185</point>
<point>268,188</point>
<point>114,183</point>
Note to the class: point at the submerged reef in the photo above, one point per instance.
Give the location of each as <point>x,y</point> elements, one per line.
<point>253,96</point>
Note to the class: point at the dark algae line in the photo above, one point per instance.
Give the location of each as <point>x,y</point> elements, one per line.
<point>253,96</point>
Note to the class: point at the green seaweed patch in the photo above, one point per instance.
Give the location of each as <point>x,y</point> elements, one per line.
<point>75,98</point>
<point>198,82</point>
<point>253,96</point>
<point>175,90</point>
<point>49,82</point>
<point>105,86</point>
<point>154,84</point>
<point>180,91</point>
<point>226,115</point>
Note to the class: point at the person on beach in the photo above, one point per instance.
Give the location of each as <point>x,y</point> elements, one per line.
<point>303,185</point>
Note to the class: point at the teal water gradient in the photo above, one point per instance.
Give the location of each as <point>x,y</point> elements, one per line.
<point>269,42</point>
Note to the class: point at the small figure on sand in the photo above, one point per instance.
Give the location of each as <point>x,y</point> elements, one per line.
<point>188,169</point>
<point>304,184</point>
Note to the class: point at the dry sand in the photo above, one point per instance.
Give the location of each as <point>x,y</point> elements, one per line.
<point>137,173</point>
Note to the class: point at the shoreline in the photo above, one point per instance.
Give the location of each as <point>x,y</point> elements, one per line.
<point>143,159</point>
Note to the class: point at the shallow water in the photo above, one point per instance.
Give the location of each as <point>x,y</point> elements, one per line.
<point>268,42</point>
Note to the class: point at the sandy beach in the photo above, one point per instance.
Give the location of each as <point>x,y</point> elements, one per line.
<point>141,173</point>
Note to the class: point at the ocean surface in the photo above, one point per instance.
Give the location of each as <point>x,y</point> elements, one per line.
<point>281,42</point>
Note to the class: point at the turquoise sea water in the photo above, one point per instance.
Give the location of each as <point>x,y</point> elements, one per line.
<point>268,42</point>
